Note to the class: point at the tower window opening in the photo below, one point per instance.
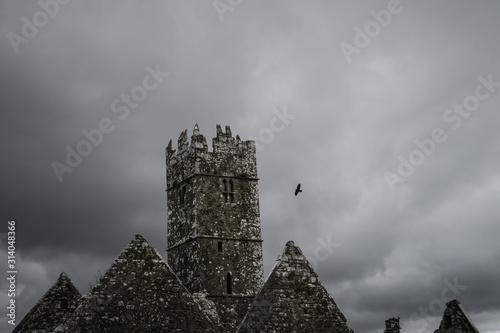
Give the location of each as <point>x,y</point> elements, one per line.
<point>229,284</point>
<point>64,303</point>
<point>225,192</point>
<point>231,191</point>
<point>228,190</point>
<point>219,246</point>
<point>182,196</point>
<point>447,321</point>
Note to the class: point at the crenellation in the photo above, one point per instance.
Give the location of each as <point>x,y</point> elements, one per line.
<point>392,325</point>
<point>223,142</point>
<point>182,142</point>
<point>230,157</point>
<point>198,141</point>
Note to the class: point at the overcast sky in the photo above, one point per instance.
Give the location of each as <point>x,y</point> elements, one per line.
<point>386,112</point>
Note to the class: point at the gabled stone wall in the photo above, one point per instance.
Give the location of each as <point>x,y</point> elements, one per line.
<point>293,300</point>
<point>138,293</point>
<point>55,305</point>
<point>456,320</point>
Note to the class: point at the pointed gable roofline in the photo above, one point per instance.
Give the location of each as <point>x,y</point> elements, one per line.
<point>58,302</point>
<point>293,298</point>
<point>139,292</point>
<point>455,319</point>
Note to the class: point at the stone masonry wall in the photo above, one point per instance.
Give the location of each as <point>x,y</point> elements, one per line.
<point>293,300</point>
<point>456,320</point>
<point>56,304</point>
<point>214,234</point>
<point>392,325</point>
<point>138,293</point>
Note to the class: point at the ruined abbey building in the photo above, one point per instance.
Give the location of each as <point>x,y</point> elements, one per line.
<point>213,280</point>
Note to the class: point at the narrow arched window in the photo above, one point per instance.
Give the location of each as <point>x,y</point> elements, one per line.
<point>182,196</point>
<point>229,284</point>
<point>225,191</point>
<point>228,190</point>
<point>64,303</point>
<point>231,191</point>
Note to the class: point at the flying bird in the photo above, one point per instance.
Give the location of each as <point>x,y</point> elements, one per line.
<point>297,190</point>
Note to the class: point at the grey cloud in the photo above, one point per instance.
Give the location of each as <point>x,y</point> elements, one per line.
<point>352,122</point>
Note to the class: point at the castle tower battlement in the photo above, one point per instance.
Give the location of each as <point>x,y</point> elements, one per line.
<point>230,156</point>
<point>213,229</point>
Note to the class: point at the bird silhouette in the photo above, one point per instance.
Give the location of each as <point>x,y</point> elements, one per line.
<point>297,190</point>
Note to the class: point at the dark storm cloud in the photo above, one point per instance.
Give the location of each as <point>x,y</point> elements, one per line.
<point>390,252</point>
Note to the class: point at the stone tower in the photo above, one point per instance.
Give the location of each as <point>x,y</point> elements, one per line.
<point>213,230</point>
